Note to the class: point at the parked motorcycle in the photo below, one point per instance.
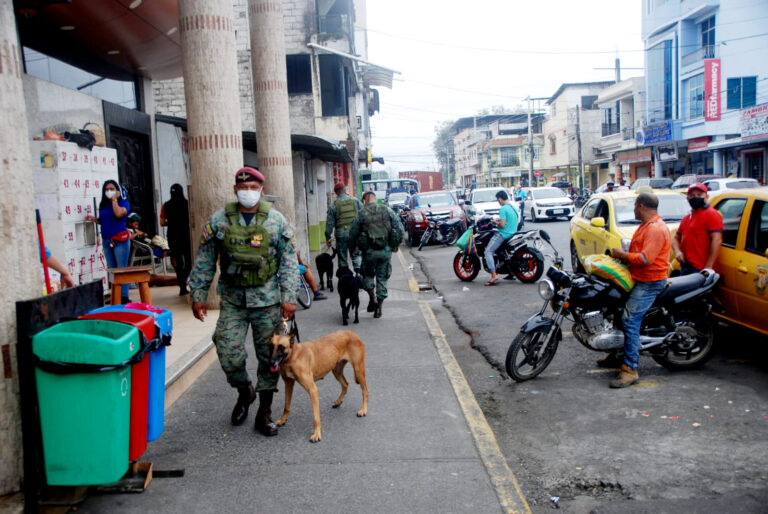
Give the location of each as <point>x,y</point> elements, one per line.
<point>445,232</point>
<point>676,331</point>
<point>520,256</point>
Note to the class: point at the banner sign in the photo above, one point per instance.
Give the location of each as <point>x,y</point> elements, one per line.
<point>712,89</point>
<point>698,144</point>
<point>754,121</point>
<point>655,133</point>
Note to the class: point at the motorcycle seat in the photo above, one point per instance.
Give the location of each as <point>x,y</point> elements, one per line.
<point>677,286</point>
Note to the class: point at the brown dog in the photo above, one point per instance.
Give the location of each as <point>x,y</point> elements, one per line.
<point>308,362</point>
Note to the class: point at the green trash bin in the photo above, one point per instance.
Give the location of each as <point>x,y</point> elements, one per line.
<point>83,387</point>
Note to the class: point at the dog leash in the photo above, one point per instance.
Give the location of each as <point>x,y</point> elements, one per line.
<point>294,327</point>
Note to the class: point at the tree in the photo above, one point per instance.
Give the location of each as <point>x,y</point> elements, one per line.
<point>443,148</point>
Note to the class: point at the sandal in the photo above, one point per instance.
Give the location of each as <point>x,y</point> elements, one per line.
<point>491,282</point>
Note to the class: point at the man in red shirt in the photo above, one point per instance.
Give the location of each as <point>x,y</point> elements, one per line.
<point>700,234</point>
<point>648,260</point>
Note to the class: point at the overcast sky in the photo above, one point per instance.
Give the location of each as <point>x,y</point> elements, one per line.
<point>458,57</point>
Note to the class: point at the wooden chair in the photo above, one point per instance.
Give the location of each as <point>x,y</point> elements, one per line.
<point>130,275</point>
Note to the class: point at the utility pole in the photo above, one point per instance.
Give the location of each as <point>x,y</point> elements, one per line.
<point>530,146</point>
<point>578,139</point>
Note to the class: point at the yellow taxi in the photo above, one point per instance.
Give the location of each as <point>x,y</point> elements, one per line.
<point>743,261</point>
<point>608,221</point>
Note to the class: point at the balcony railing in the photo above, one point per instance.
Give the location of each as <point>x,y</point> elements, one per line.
<point>698,55</point>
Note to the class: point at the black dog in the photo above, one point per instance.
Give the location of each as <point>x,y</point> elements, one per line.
<point>324,264</point>
<point>349,288</point>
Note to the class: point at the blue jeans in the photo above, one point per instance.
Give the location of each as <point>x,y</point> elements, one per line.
<point>493,245</point>
<point>640,300</point>
<point>117,257</point>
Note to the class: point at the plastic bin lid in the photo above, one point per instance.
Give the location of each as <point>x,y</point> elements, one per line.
<point>87,341</point>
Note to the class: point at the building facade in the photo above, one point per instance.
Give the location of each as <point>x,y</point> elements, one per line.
<point>706,92</point>
<point>571,132</point>
<point>618,154</point>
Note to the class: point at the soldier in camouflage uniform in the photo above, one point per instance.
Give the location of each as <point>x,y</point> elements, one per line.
<point>376,231</point>
<point>259,282</point>
<point>340,216</point>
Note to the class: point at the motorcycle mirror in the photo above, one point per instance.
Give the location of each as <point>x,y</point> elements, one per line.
<point>545,236</point>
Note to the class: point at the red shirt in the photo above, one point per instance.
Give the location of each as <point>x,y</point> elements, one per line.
<point>694,234</point>
<point>649,251</point>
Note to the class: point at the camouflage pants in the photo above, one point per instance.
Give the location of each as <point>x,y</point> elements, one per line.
<point>229,339</point>
<point>377,268</point>
<point>342,247</point>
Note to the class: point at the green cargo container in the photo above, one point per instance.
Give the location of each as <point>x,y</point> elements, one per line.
<point>85,410</point>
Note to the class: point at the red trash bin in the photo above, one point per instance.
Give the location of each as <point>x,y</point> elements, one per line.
<point>137,439</point>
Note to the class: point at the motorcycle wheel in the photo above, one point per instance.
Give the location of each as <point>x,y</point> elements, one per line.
<point>424,238</point>
<point>526,359</point>
<point>528,268</point>
<point>693,347</point>
<point>451,238</point>
<point>466,267</point>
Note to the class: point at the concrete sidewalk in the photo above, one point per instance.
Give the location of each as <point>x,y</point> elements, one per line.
<point>424,446</point>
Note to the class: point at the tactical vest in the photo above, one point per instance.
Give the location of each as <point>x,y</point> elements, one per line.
<point>245,259</point>
<point>346,210</point>
<point>376,226</point>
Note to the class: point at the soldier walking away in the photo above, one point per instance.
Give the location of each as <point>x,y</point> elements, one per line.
<point>259,283</point>
<point>340,216</point>
<point>377,232</point>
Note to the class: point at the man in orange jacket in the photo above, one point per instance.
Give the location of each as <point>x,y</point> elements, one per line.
<point>648,261</point>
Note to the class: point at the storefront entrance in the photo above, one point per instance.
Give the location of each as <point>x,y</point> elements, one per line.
<point>754,162</point>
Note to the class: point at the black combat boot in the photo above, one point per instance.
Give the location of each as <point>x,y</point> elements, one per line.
<point>371,301</point>
<point>264,424</point>
<point>377,314</point>
<point>244,400</point>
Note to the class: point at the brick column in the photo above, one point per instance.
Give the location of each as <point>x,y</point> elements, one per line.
<point>209,62</point>
<point>212,99</point>
<point>18,239</point>
<point>270,92</point>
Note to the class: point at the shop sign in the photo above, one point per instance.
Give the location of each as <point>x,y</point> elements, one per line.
<point>633,156</point>
<point>699,144</point>
<point>655,133</point>
<point>537,173</point>
<point>754,121</point>
<point>711,89</point>
<point>668,152</point>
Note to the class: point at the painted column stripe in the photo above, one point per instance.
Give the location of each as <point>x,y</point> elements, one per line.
<point>206,22</point>
<point>275,161</point>
<point>271,85</point>
<point>214,141</point>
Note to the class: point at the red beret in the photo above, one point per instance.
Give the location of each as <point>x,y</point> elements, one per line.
<point>338,187</point>
<point>248,174</point>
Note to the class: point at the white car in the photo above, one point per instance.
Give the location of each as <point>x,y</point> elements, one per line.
<point>718,186</point>
<point>549,202</point>
<point>482,202</point>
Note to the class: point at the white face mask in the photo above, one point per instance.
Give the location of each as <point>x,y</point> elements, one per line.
<point>110,194</point>
<point>248,198</point>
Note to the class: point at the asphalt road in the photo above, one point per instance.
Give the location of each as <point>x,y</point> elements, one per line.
<point>693,441</point>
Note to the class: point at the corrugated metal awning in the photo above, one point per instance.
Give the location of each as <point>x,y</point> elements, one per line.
<point>373,74</point>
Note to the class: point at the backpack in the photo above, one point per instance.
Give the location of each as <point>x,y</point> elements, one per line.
<point>377,226</point>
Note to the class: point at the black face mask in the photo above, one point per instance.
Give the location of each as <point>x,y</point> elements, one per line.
<point>697,202</point>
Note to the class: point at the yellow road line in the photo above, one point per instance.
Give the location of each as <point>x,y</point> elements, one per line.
<point>507,488</point>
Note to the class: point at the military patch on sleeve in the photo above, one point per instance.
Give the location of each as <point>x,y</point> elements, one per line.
<point>208,232</point>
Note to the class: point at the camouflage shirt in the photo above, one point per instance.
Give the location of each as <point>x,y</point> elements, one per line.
<point>330,222</point>
<point>281,288</point>
<point>365,216</point>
